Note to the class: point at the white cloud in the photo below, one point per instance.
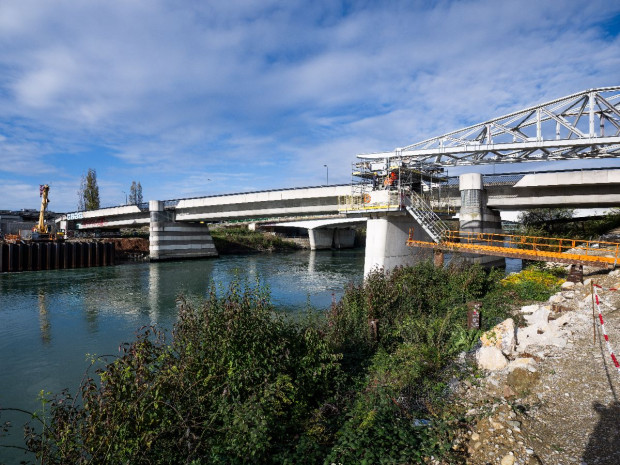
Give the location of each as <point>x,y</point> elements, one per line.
<point>262,93</point>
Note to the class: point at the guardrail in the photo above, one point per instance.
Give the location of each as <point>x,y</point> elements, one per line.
<point>562,250</point>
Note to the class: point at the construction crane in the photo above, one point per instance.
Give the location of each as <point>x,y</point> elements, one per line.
<point>41,229</point>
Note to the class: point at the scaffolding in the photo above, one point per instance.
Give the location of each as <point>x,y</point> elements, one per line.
<point>387,184</point>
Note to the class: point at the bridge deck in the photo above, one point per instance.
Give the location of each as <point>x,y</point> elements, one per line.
<point>570,251</point>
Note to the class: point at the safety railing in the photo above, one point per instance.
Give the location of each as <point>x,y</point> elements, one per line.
<point>365,202</point>
<point>427,218</point>
<point>527,247</point>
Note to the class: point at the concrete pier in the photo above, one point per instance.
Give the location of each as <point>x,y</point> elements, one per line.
<point>331,238</point>
<point>386,241</point>
<point>475,216</point>
<point>172,240</point>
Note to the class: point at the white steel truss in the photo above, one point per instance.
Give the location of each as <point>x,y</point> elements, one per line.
<point>579,126</point>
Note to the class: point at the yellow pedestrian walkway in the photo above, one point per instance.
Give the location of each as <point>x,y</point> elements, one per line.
<point>571,251</point>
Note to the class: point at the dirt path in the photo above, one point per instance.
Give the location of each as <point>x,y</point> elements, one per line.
<point>565,407</point>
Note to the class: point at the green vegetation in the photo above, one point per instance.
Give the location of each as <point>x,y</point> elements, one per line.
<point>241,240</point>
<point>558,222</point>
<point>88,195</point>
<point>239,383</point>
<point>135,193</point>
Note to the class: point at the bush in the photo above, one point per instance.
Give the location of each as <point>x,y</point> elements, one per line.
<point>234,385</point>
<point>237,383</point>
<point>533,283</point>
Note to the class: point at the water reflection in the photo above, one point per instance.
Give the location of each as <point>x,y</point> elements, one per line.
<point>153,292</point>
<point>49,320</point>
<point>44,322</point>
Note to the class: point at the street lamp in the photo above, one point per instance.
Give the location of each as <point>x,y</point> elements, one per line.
<point>125,196</point>
<point>326,175</point>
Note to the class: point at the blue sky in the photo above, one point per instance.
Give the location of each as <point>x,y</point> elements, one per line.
<point>197,97</point>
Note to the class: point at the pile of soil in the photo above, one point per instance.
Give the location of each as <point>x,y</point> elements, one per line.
<point>130,248</point>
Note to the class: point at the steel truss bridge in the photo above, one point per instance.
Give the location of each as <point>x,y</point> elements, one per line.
<point>584,125</point>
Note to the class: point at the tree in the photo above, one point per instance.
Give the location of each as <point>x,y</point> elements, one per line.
<point>135,193</point>
<point>88,195</point>
<point>543,221</point>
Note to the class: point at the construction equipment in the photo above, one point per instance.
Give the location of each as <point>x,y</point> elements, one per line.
<point>41,229</point>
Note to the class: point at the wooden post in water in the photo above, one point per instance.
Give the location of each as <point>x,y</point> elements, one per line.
<point>2,255</point>
<point>84,252</point>
<point>11,258</point>
<point>20,257</point>
<point>92,254</point>
<point>47,254</point>
<point>41,256</point>
<point>57,256</point>
<point>72,248</point>
<point>32,257</point>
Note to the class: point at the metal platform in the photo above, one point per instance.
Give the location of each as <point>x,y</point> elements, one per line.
<point>571,251</point>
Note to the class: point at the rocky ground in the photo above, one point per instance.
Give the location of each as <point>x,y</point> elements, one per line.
<point>552,393</point>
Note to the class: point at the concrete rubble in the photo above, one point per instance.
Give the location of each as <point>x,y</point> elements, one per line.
<point>544,377</point>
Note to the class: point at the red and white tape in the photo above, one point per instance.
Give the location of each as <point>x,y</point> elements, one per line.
<point>600,317</point>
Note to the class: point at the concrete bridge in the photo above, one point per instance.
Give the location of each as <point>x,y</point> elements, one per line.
<point>586,188</point>
<point>179,228</point>
<point>387,195</point>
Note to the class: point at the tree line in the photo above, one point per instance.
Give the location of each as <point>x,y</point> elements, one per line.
<point>88,194</point>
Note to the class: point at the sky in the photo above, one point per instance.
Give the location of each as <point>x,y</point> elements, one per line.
<point>201,97</point>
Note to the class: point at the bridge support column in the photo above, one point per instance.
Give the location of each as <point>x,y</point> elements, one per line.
<point>475,217</point>
<point>344,238</point>
<point>328,238</point>
<point>174,240</point>
<point>320,238</point>
<point>386,242</point>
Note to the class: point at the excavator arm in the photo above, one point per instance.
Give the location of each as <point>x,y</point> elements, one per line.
<point>41,227</point>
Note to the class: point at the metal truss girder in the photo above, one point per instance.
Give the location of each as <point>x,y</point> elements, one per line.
<point>538,133</point>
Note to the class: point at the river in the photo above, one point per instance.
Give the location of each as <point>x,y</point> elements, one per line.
<point>50,320</point>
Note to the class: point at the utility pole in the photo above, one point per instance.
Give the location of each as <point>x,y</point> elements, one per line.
<point>326,175</point>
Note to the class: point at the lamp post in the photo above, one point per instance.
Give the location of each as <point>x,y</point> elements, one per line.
<point>326,175</point>
<point>125,196</point>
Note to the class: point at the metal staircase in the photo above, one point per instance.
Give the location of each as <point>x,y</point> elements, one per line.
<point>426,217</point>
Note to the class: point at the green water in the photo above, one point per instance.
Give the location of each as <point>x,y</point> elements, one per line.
<point>50,320</point>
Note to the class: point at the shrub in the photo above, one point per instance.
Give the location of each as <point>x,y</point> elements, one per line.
<point>237,383</point>
<point>234,385</point>
<point>533,283</point>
